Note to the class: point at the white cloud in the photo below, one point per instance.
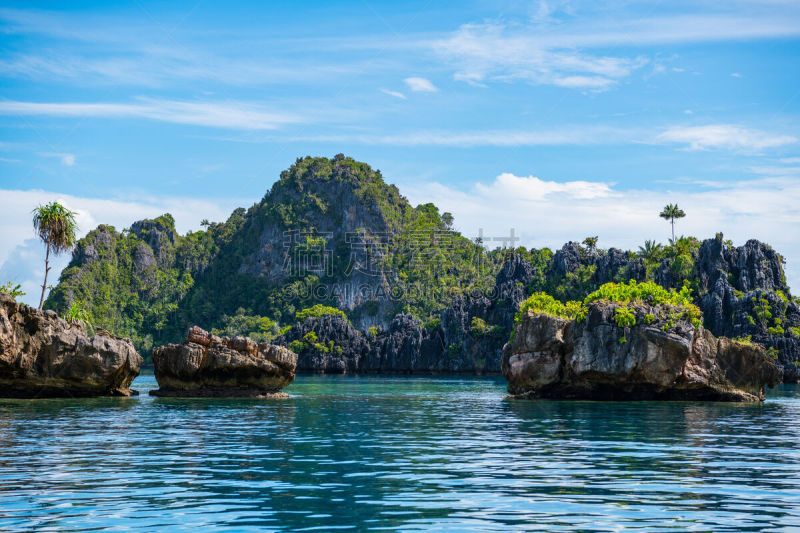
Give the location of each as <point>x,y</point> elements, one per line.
<point>532,188</point>
<point>421,85</point>
<point>484,52</point>
<point>726,136</point>
<point>394,93</point>
<point>736,75</point>
<point>549,213</point>
<point>20,252</point>
<point>601,31</point>
<point>231,114</point>
<point>67,160</point>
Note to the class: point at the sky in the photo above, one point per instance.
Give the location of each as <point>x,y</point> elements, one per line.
<point>558,119</point>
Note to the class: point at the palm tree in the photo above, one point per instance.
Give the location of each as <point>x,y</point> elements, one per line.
<point>671,212</point>
<point>651,251</point>
<point>56,226</point>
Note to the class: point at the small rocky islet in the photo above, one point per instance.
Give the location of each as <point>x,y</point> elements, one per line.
<point>206,365</point>
<point>596,358</point>
<point>44,356</point>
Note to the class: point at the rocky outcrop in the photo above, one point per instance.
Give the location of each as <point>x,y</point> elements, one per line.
<point>729,282</point>
<point>656,359</point>
<point>42,355</point>
<point>207,365</point>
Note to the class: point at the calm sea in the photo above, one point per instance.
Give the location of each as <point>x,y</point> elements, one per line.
<point>397,453</point>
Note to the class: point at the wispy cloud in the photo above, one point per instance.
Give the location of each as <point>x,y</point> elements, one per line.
<point>421,85</point>
<point>496,52</point>
<point>67,160</point>
<point>724,136</point>
<point>570,135</point>
<point>232,115</point>
<point>721,136</point>
<point>396,94</point>
<point>559,47</point>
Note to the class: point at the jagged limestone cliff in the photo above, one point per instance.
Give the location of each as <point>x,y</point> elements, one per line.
<point>332,232</point>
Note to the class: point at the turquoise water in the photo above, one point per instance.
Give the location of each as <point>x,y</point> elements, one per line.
<point>397,453</point>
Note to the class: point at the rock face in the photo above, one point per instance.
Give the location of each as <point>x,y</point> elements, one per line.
<point>207,365</point>
<point>407,346</point>
<point>42,355</point>
<point>551,357</point>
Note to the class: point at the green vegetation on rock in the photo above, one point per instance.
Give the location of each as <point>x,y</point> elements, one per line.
<point>627,294</point>
<point>12,289</point>
<point>318,311</point>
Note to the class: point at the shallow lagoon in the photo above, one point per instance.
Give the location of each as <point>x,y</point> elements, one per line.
<point>405,453</point>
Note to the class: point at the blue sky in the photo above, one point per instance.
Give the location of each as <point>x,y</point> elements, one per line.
<point>560,119</point>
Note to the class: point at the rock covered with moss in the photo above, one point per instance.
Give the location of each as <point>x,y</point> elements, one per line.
<point>635,350</point>
<point>42,355</point>
<point>207,365</point>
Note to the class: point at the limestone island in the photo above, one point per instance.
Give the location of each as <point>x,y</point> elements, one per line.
<point>43,355</point>
<point>206,365</point>
<point>630,342</point>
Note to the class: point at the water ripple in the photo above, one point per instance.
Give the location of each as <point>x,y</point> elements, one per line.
<point>397,453</point>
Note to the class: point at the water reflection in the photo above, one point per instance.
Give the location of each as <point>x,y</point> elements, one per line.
<point>397,453</point>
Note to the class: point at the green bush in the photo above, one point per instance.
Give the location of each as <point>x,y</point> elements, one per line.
<point>433,324</point>
<point>747,341</point>
<point>318,311</point>
<point>627,294</point>
<point>257,328</point>
<point>478,327</point>
<point>78,313</point>
<point>624,317</point>
<point>541,302</point>
<point>648,293</point>
<point>12,289</point>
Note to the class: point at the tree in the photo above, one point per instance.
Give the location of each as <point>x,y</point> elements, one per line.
<point>447,218</point>
<point>651,251</point>
<point>591,243</point>
<point>56,226</point>
<point>671,212</point>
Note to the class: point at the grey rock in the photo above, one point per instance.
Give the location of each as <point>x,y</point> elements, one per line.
<point>42,355</point>
<point>551,357</point>
<point>207,365</point>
